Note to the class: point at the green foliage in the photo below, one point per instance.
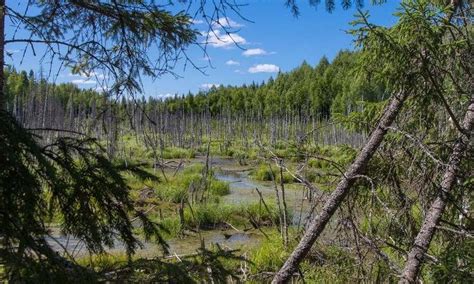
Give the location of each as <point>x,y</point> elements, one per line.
<point>269,255</point>
<point>188,269</point>
<point>318,163</point>
<point>219,188</point>
<point>197,168</point>
<point>216,215</point>
<point>171,192</point>
<point>360,121</point>
<point>142,26</point>
<point>241,154</point>
<point>207,265</point>
<point>172,226</point>
<point>207,216</point>
<point>178,153</point>
<point>266,173</point>
<point>311,175</point>
<point>191,178</point>
<point>456,263</point>
<point>307,92</point>
<point>103,262</point>
<point>71,178</point>
<point>262,215</point>
<point>336,265</point>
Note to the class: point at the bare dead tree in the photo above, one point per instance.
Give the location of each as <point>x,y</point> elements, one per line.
<point>318,223</point>
<point>433,216</point>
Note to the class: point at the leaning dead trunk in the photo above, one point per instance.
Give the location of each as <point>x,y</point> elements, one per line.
<point>427,231</point>
<point>319,222</point>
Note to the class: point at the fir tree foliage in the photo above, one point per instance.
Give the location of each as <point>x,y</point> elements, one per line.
<point>71,181</point>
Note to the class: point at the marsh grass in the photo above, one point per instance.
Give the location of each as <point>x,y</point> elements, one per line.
<point>208,216</point>
<point>178,153</point>
<point>264,173</point>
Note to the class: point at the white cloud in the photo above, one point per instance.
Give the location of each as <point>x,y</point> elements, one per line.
<point>226,22</point>
<point>197,21</point>
<point>84,81</point>
<point>232,62</point>
<point>254,52</point>
<point>166,95</point>
<point>208,86</point>
<point>264,68</point>
<point>217,39</point>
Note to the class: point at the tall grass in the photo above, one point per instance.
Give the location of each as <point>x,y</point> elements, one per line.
<point>178,153</point>
<point>264,173</point>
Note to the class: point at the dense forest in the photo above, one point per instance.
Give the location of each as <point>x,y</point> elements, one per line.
<point>355,169</point>
<point>286,108</point>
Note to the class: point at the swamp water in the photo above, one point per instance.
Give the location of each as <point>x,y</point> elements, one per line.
<point>242,191</point>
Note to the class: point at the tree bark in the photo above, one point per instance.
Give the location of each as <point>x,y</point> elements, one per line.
<point>319,222</point>
<point>428,229</point>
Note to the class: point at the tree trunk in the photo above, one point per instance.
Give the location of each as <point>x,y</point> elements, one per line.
<point>2,55</point>
<point>319,222</point>
<point>427,231</point>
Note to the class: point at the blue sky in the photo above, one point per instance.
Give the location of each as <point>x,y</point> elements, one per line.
<point>273,40</point>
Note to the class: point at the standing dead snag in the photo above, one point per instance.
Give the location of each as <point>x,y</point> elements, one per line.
<point>427,231</point>
<point>319,222</point>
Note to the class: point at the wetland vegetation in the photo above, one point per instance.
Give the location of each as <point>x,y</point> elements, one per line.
<point>354,169</point>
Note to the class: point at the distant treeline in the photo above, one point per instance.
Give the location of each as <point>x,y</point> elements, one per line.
<point>293,106</point>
